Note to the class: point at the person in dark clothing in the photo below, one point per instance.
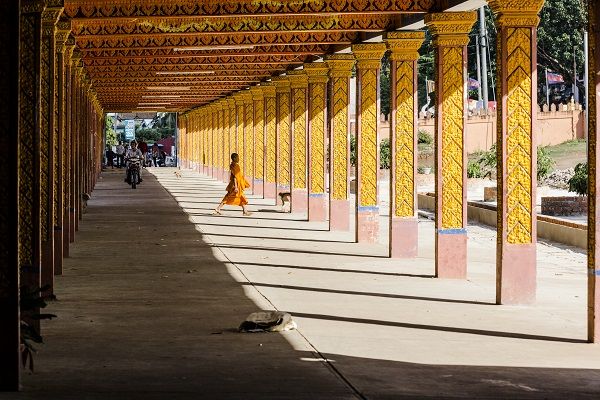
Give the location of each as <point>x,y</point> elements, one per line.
<point>110,155</point>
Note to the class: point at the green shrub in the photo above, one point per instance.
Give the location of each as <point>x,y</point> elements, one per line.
<point>544,163</point>
<point>385,156</point>
<point>424,137</point>
<point>474,169</point>
<point>489,158</point>
<point>579,181</point>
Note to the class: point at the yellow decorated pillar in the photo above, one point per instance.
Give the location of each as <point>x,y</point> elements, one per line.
<point>212,137</point>
<point>232,128</point>
<point>239,127</point>
<point>299,91</point>
<point>317,134</point>
<point>219,140</point>
<point>248,136</point>
<point>340,72</point>
<point>284,134</point>
<point>206,142</point>
<point>403,226</point>
<point>225,129</point>
<point>368,56</point>
<point>593,326</point>
<point>269,92</point>
<point>450,32</point>
<point>259,140</point>
<point>49,143</point>
<point>517,150</point>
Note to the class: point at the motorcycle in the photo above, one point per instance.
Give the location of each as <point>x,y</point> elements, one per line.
<point>134,172</point>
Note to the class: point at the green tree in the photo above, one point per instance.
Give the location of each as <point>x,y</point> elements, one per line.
<point>560,38</point>
<point>111,134</point>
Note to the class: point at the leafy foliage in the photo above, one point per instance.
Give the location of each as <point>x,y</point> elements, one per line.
<point>579,181</point>
<point>545,163</point>
<point>424,137</point>
<point>353,156</point>
<point>111,134</point>
<point>385,155</point>
<point>30,302</point>
<point>474,169</point>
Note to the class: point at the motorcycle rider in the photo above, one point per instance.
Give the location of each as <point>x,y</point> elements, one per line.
<point>133,154</point>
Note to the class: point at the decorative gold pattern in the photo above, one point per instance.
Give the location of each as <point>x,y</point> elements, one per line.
<point>404,144</point>
<point>270,132</point>
<point>317,78</point>
<point>248,134</point>
<point>259,132</point>
<point>299,85</point>
<point>283,133</point>
<point>404,47</point>
<point>519,146</point>
<point>368,63</point>
<point>340,66</point>
<point>452,91</point>
<point>239,114</point>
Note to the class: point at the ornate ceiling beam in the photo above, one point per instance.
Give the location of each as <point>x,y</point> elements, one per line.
<point>215,41</point>
<point>182,60</point>
<point>247,25</point>
<point>127,9</point>
<point>269,50</point>
<point>182,69</point>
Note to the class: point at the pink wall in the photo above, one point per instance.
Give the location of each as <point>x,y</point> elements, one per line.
<point>553,127</point>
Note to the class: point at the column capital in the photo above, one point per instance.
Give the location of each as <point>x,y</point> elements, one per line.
<point>217,105</point>
<point>451,28</point>
<point>517,12</point>
<point>404,45</point>
<point>238,98</point>
<point>257,93</point>
<point>282,83</point>
<point>298,79</point>
<point>268,89</point>
<point>231,102</point>
<point>369,55</point>
<point>317,72</point>
<point>340,65</point>
<point>51,14</point>
<point>32,6</point>
<point>247,96</point>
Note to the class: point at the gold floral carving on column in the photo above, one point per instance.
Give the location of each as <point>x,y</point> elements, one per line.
<point>317,79</point>
<point>239,125</point>
<point>368,56</point>
<point>404,47</point>
<point>248,133</point>
<point>340,71</point>
<point>517,22</point>
<point>232,128</point>
<point>269,93</point>
<point>299,86</point>
<point>259,132</point>
<point>450,34</point>
<point>283,131</point>
<point>226,133</point>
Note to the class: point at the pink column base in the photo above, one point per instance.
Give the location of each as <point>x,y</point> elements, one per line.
<point>339,215</point>
<point>270,190</point>
<point>258,187</point>
<point>404,237</point>
<point>281,189</point>
<point>317,207</point>
<point>451,254</point>
<point>299,200</point>
<point>516,274</point>
<point>367,225</point>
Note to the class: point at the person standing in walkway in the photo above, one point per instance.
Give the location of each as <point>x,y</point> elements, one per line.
<point>235,188</point>
<point>120,150</point>
<point>110,155</point>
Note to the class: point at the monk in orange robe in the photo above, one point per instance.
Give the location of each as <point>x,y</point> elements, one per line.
<point>235,188</point>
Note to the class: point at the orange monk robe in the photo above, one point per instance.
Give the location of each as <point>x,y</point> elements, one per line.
<point>232,198</point>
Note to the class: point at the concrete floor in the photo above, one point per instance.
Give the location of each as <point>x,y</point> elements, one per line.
<point>156,286</point>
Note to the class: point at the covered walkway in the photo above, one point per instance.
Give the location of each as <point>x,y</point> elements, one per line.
<point>155,287</point>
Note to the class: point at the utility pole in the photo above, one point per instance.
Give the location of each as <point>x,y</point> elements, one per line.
<point>586,83</point>
<point>484,66</point>
<point>479,94</point>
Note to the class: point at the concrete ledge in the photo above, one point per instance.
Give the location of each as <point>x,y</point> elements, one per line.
<point>549,228</point>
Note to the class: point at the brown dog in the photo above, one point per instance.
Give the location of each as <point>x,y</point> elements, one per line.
<point>178,174</point>
<point>285,196</point>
